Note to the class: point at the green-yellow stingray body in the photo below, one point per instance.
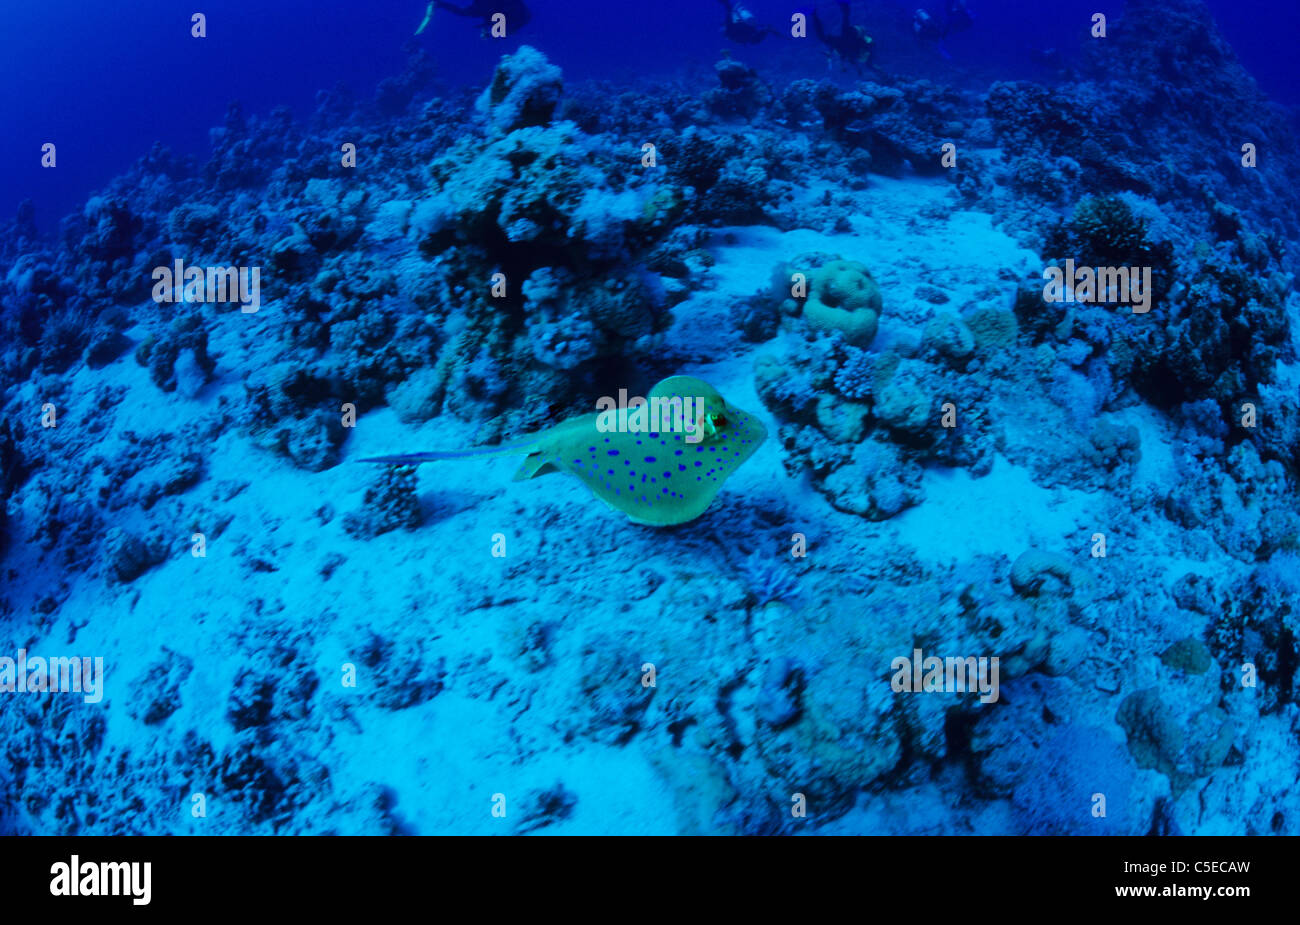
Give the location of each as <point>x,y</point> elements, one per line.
<point>656,478</point>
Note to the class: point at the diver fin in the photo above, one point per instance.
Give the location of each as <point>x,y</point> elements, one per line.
<point>428,15</point>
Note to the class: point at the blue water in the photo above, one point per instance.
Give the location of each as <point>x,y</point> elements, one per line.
<point>107,81</point>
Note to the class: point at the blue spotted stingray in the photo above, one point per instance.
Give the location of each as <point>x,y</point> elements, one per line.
<point>655,478</point>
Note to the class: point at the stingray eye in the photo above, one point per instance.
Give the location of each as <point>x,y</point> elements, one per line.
<point>718,419</point>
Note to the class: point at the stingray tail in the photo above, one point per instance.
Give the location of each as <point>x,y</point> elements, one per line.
<point>414,459</point>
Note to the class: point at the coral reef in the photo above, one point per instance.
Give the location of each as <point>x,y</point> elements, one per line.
<point>1102,500</point>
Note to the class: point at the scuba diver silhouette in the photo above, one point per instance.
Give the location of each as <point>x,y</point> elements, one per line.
<point>929,28</point>
<point>852,45</point>
<point>740,26</point>
<point>516,12</point>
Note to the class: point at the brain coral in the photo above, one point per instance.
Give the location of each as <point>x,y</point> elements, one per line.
<point>1036,570</point>
<point>843,296</point>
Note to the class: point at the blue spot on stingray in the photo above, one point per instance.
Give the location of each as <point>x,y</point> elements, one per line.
<point>681,468</point>
<point>650,459</point>
<point>654,436</point>
<point>698,463</point>
<point>612,452</point>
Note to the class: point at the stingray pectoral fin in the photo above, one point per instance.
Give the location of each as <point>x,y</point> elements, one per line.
<point>534,464</point>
